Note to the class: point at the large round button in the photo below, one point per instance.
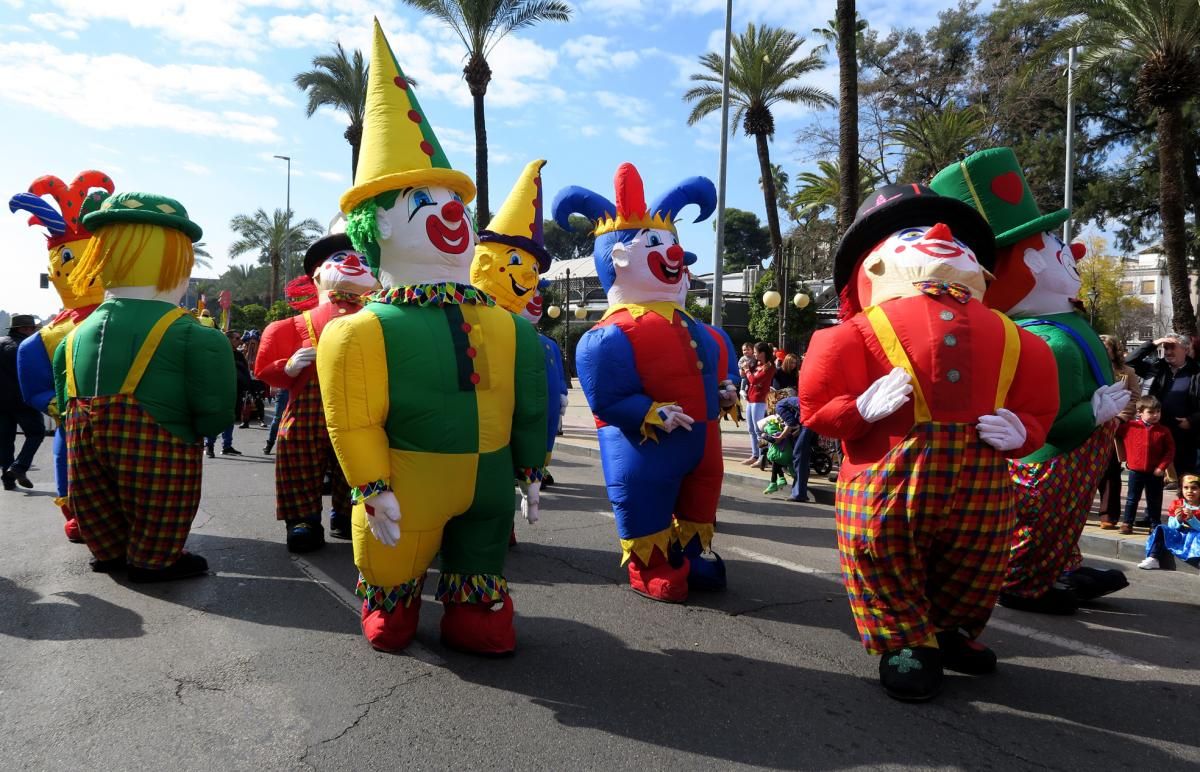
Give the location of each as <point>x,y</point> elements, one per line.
<point>471,352</point>
<point>693,343</point>
<point>475,378</point>
<point>950,340</point>
<point>466,326</point>
<point>699,365</point>
<point>953,376</point>
<point>947,316</point>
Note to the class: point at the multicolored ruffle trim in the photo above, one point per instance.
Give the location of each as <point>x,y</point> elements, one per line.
<point>364,492</point>
<point>339,296</point>
<point>529,474</point>
<point>387,598</point>
<point>471,588</point>
<point>444,293</point>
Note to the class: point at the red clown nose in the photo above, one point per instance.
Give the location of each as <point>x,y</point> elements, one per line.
<point>452,211</point>
<point>940,232</point>
<point>675,252</point>
<point>352,261</point>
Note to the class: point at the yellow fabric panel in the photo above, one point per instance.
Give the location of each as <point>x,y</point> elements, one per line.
<point>352,368</point>
<point>882,326</point>
<point>146,352</point>
<point>494,337</point>
<point>72,390</point>
<point>430,488</point>
<point>1012,355</point>
<point>643,546</point>
<point>664,308</point>
<point>686,530</point>
<point>53,333</point>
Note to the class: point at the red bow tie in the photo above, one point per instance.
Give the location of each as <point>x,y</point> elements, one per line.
<point>960,292</point>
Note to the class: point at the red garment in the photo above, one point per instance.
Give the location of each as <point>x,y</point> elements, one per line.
<point>283,338</point>
<point>1178,510</point>
<point>760,382</point>
<point>956,350</point>
<point>1148,447</point>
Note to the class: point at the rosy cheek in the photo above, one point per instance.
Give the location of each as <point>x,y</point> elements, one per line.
<point>900,249</point>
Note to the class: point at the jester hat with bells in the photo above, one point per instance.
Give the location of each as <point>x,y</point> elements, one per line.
<point>67,237</point>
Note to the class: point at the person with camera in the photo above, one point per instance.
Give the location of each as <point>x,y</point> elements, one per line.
<point>1174,378</point>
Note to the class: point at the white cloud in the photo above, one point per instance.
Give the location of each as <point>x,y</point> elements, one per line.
<point>588,130</point>
<point>227,25</point>
<point>622,105</point>
<point>121,91</point>
<point>195,168</point>
<point>599,56</point>
<point>56,22</point>
<point>331,176</point>
<point>642,136</point>
<point>301,31</point>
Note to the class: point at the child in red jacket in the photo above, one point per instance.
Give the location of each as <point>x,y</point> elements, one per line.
<point>1148,450</point>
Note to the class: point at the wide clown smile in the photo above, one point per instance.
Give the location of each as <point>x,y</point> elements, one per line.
<point>453,241</point>
<point>517,289</point>
<point>534,307</point>
<point>664,270</point>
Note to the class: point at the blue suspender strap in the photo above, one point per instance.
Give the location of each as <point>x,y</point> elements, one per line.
<point>1088,354</point>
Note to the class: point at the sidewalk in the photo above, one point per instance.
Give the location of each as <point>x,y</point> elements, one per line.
<point>579,438</point>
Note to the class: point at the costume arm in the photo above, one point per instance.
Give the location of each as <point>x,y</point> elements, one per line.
<point>1033,395</point>
<point>832,377</point>
<point>610,381</point>
<point>559,366</point>
<point>211,376</point>
<point>529,407</point>
<point>279,341</point>
<point>60,377</point>
<point>352,369</point>
<point>36,375</point>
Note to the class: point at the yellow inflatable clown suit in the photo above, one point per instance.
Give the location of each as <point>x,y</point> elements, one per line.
<point>66,240</point>
<point>434,397</point>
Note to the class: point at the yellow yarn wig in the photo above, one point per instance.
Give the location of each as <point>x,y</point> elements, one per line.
<point>135,255</point>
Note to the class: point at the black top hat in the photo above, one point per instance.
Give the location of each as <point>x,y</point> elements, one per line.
<point>22,320</point>
<point>894,207</point>
<point>322,248</point>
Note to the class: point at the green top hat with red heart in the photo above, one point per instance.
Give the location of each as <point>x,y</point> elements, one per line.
<point>992,182</point>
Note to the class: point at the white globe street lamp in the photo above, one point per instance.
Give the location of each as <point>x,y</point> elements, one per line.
<point>771,299</point>
<point>553,312</point>
<point>580,312</point>
<point>801,300</point>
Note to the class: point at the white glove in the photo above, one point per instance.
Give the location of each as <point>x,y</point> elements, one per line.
<point>300,360</point>
<point>1002,430</point>
<point>562,408</point>
<point>1108,402</point>
<point>383,517</point>
<point>885,396</point>
<point>673,418</point>
<point>728,394</point>
<point>531,495</point>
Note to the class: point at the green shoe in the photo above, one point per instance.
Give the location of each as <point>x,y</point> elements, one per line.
<point>772,487</point>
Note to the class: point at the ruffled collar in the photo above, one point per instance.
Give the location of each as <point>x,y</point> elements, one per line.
<point>341,296</point>
<point>439,294</point>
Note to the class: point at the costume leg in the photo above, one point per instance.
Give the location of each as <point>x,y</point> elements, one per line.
<point>60,463</point>
<point>299,471</point>
<point>700,491</point>
<point>1137,483</point>
<point>103,524</point>
<point>8,438</point>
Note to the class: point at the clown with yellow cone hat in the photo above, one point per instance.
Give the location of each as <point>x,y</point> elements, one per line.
<point>434,397</point>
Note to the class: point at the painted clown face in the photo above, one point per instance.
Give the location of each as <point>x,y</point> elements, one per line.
<point>534,309</point>
<point>508,274</point>
<point>649,268</point>
<point>921,253</point>
<point>1055,274</point>
<point>426,237</point>
<point>344,271</point>
<point>63,259</point>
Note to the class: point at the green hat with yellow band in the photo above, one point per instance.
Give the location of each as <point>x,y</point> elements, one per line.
<point>399,148</point>
<point>992,182</point>
<point>148,208</point>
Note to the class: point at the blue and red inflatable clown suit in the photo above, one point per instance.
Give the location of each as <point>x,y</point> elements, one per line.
<point>654,377</point>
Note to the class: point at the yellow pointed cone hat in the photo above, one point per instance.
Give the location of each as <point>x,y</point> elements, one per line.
<point>399,148</point>
<point>519,222</point>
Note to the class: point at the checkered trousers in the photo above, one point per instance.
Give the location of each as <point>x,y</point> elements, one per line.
<point>133,486</point>
<point>1053,501</point>
<point>303,457</point>
<point>924,537</point>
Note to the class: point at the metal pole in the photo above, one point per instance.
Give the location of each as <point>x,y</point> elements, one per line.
<point>567,340</point>
<point>1069,183</point>
<point>719,261</point>
<point>287,257</point>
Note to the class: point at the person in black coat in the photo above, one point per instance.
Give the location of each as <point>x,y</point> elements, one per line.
<point>1174,378</point>
<point>14,413</point>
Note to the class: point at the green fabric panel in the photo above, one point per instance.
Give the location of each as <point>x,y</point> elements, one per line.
<point>190,385</point>
<point>428,412</point>
<point>476,542</point>
<point>529,411</point>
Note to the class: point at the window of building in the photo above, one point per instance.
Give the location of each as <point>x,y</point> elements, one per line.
<point>1147,287</point>
<point>1126,288</point>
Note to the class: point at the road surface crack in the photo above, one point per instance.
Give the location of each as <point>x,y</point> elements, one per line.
<point>366,709</point>
<point>608,579</point>
<point>181,683</point>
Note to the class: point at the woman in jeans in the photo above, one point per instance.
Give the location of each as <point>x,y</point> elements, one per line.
<point>759,378</point>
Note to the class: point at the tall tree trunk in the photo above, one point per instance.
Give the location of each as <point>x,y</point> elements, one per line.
<point>353,135</point>
<point>478,74</point>
<point>770,200</point>
<point>847,113</point>
<point>1170,203</point>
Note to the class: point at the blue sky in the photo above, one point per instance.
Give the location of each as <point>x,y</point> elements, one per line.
<point>192,99</point>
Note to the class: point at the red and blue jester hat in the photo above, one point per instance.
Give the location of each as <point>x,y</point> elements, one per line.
<point>623,221</point>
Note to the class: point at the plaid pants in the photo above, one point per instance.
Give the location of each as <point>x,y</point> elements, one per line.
<point>133,485</point>
<point>924,537</point>
<point>303,457</point>
<point>1053,501</point>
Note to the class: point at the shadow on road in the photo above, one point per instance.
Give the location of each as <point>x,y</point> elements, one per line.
<point>25,614</point>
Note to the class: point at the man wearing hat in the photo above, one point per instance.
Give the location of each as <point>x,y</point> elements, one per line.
<point>139,383</point>
<point>929,392</point>
<point>14,412</point>
<point>286,360</point>
<point>1037,285</point>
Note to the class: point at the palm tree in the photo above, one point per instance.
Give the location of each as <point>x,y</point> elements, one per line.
<point>935,139</point>
<point>480,25</point>
<point>847,51</point>
<point>781,180</point>
<point>765,69</point>
<point>821,190</point>
<point>1163,38</point>
<point>203,258</point>
<point>341,83</point>
<point>273,238</point>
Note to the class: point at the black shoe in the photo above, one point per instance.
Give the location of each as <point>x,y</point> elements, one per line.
<point>339,526</point>
<point>208,451</point>
<point>547,480</point>
<point>230,451</point>
<point>9,480</point>
<point>1143,523</point>
<point>243,426</point>
<point>1091,583</point>
<point>267,449</point>
<point>108,566</point>
<point>911,674</point>
<point>303,536</point>
<point>187,566</point>
<point>24,481</point>
<point>963,655</point>
<point>1057,600</point>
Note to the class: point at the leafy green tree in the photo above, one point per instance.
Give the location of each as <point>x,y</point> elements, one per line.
<point>569,244</point>
<point>747,242</point>
<point>340,82</point>
<point>936,138</point>
<point>249,316</point>
<point>480,25</point>
<point>764,322</point>
<point>272,237</point>
<point>279,310</point>
<point>820,192</point>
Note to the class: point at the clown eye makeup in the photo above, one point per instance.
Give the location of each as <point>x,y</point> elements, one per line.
<point>514,258</point>
<point>911,234</point>
<point>67,256</point>
<point>654,240</point>
<point>419,199</point>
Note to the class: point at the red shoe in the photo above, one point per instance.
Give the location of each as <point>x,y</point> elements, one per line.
<point>661,582</point>
<point>71,528</point>
<point>476,629</point>
<point>391,631</point>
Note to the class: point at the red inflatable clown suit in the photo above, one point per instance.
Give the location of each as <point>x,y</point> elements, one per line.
<point>654,378</point>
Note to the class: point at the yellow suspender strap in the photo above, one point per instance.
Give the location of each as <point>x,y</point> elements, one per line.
<point>886,335</point>
<point>312,332</point>
<point>1008,364</point>
<point>146,352</point>
<point>71,390</point>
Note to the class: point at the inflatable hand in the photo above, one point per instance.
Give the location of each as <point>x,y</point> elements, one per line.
<point>300,360</point>
<point>1108,402</point>
<point>728,394</point>
<point>383,517</point>
<point>1002,430</point>
<point>673,418</point>
<point>531,496</point>
<point>885,396</point>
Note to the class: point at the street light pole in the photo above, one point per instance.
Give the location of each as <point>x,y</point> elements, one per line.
<point>1069,183</point>
<point>287,268</point>
<point>719,261</point>
<point>567,340</point>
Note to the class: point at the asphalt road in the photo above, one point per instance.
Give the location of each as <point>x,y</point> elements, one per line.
<point>261,664</point>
